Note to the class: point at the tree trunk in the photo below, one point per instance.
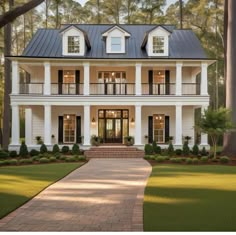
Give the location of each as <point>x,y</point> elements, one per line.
<point>230,138</point>
<point>181,13</point>
<point>7,84</point>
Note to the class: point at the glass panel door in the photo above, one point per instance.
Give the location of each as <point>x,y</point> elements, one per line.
<point>69,128</point>
<point>159,128</point>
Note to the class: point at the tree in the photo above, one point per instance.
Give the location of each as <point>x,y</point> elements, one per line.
<point>230,39</point>
<point>181,13</point>
<point>12,14</point>
<point>215,123</point>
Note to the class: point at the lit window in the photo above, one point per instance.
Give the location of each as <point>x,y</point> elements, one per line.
<point>73,44</point>
<point>158,44</point>
<point>159,128</point>
<point>115,44</point>
<point>68,76</point>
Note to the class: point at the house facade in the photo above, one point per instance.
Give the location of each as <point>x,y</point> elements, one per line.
<point>110,81</point>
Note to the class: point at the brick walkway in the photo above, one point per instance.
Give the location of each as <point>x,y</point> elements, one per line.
<point>103,195</point>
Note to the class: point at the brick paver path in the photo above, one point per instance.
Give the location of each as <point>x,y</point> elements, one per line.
<point>102,195</point>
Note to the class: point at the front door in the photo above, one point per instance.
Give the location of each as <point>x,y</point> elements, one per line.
<point>113,131</point>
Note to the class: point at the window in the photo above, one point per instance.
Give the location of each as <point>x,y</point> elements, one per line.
<point>158,44</point>
<point>115,44</point>
<point>73,44</point>
<point>159,128</point>
<point>69,128</point>
<point>159,76</point>
<point>68,76</point>
<point>68,86</point>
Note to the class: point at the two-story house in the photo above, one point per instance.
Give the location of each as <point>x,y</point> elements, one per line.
<point>110,81</point>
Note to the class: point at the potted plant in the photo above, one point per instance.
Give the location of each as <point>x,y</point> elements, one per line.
<point>39,139</point>
<point>95,140</point>
<point>129,140</point>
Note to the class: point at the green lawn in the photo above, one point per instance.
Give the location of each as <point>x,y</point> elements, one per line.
<point>191,198</point>
<point>19,184</point>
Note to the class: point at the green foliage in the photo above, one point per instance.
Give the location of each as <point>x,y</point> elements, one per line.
<point>44,160</point>
<point>35,158</point>
<point>195,160</point>
<point>166,158</point>
<point>170,149</point>
<point>160,159</point>
<point>55,148</point>
<point>23,150</point>
<point>13,162</point>
<point>4,155</point>
<point>65,149</point>
<point>52,159</point>
<point>43,149</point>
<point>62,157</point>
<point>34,152</point>
<point>204,159</point>
<point>178,152</point>
<point>156,148</point>
<point>203,152</point>
<point>82,158</point>
<point>186,150</point>
<point>129,140</point>
<point>25,161</point>
<point>75,149</point>
<point>13,154</point>
<point>71,159</point>
<point>215,123</point>
<point>95,140</point>
<point>189,160</point>
<point>148,149</point>
<point>175,160</point>
<point>195,150</point>
<point>57,155</point>
<point>224,159</point>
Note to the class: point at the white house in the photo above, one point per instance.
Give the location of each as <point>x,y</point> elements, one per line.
<point>110,81</point>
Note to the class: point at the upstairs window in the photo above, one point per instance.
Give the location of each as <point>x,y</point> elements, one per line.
<point>158,44</point>
<point>73,44</point>
<point>115,44</point>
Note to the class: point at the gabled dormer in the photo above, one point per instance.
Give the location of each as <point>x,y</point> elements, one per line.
<point>75,41</point>
<point>115,39</point>
<point>156,42</point>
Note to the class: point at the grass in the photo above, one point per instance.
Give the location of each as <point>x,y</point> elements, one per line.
<point>19,184</point>
<point>190,198</point>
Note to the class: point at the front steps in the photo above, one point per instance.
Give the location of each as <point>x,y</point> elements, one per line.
<point>114,152</point>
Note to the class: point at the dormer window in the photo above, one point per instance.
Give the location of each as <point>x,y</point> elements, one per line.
<point>73,44</point>
<point>115,44</point>
<point>158,45</point>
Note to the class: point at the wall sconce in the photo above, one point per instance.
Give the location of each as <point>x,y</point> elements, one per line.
<point>132,121</point>
<point>93,121</point>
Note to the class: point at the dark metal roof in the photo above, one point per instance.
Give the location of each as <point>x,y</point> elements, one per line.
<point>183,44</point>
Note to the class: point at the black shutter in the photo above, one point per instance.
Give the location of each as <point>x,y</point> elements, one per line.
<point>150,81</point>
<point>60,81</point>
<point>60,129</point>
<point>167,128</point>
<point>150,129</point>
<point>78,130</point>
<point>77,79</point>
<point>167,82</point>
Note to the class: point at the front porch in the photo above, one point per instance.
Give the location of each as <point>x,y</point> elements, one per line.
<point>66,125</point>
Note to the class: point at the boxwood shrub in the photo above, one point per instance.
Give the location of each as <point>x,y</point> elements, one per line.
<point>25,161</point>
<point>13,162</point>
<point>195,160</point>
<point>52,159</point>
<point>189,160</point>
<point>4,155</point>
<point>57,155</point>
<point>44,160</point>
<point>178,152</point>
<point>55,149</point>
<point>82,158</point>
<point>34,152</point>
<point>224,159</point>
<point>195,150</point>
<point>65,149</point>
<point>13,154</point>
<point>62,157</point>
<point>35,158</point>
<point>71,159</point>
<point>75,149</point>
<point>160,159</point>
<point>204,159</point>
<point>23,150</point>
<point>43,149</point>
<point>148,149</point>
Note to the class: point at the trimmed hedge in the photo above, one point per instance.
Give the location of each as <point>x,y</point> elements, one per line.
<point>43,149</point>
<point>34,152</point>
<point>23,150</point>
<point>55,149</point>
<point>75,149</point>
<point>4,155</point>
<point>224,159</point>
<point>44,160</point>
<point>25,161</point>
<point>65,149</point>
<point>13,154</point>
<point>148,149</point>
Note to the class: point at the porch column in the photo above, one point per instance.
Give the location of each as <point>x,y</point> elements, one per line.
<point>86,78</point>
<point>178,125</point>
<point>204,83</point>
<point>204,137</point>
<point>47,79</point>
<point>15,125</point>
<point>28,126</point>
<point>15,78</point>
<point>178,85</point>
<point>87,125</point>
<point>47,124</point>
<point>138,84</point>
<point>138,125</point>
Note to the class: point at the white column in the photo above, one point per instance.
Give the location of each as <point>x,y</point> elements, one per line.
<point>47,125</point>
<point>178,125</point>
<point>15,78</point>
<point>204,137</point>
<point>86,78</point>
<point>15,125</point>
<point>87,125</point>
<point>47,78</point>
<point>28,126</point>
<point>204,83</point>
<point>138,84</point>
<point>178,78</point>
<point>138,125</point>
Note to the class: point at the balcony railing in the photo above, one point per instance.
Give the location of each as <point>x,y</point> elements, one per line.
<point>158,89</point>
<point>112,88</point>
<point>67,88</point>
<point>31,88</point>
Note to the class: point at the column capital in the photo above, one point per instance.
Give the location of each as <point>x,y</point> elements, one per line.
<point>46,64</point>
<point>86,64</point>
<point>15,63</point>
<point>138,65</point>
<point>179,64</point>
<point>204,64</point>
